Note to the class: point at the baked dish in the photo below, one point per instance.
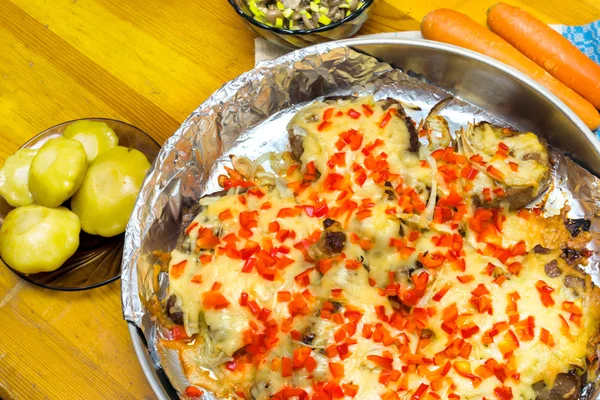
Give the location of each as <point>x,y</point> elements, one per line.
<point>382,259</point>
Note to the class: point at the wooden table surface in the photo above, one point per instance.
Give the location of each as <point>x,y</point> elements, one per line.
<point>149,63</point>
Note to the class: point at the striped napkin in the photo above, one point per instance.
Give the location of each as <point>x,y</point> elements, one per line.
<point>587,39</point>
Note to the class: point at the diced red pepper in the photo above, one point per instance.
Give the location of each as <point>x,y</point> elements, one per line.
<point>214,299</point>
<point>321,211</point>
<point>464,369</point>
<point>495,172</point>
<point>519,249</point>
<point>343,350</point>
<point>420,280</point>
<point>337,369</point>
<point>264,314</point>
<point>366,244</point>
<point>431,260</point>
<point>177,269</point>
<point>515,267</point>
<point>469,172</point>
<point>386,119</point>
<point>249,264</point>
<point>383,362</point>
<point>566,331</point>
<point>282,262</point>
<point>191,227</point>
<point>363,214</point>
<point>338,159</point>
<point>225,215</point>
<point>469,330</point>
<point>323,125</point>
<point>303,278</point>
<point>288,393</point>
<point>478,159</point>
<point>288,212</point>
<point>205,258</point>
<point>244,299</point>
<point>480,290</point>
<point>206,239</point>
<point>367,109</point>
<point>499,280</point>
<point>352,113</point>
<point>391,395</point>
<point>273,227</point>
<point>179,333</point>
<point>356,141</point>
<point>284,296</point>
<point>300,357</point>
<point>286,367</point>
<point>361,178</point>
<point>420,391</point>
<point>509,344</point>
<point>546,337</point>
<point>442,292</point>
<point>503,393</point>
<point>311,364</point>
<point>350,389</point>
<point>465,278</point>
<point>193,392</point>
<point>545,293</point>
<point>231,183</point>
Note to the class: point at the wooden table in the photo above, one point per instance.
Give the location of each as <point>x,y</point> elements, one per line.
<point>149,63</point>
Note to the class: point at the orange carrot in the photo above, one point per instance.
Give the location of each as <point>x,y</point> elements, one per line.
<point>455,28</point>
<point>548,49</point>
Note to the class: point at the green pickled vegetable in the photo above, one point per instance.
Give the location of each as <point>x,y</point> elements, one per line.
<point>287,13</point>
<point>324,20</point>
<point>14,178</point>
<point>95,136</point>
<point>35,238</point>
<point>106,198</point>
<point>57,171</point>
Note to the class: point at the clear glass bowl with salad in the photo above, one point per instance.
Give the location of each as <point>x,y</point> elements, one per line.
<point>301,23</point>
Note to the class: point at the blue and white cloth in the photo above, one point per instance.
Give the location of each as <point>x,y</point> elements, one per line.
<point>587,39</point>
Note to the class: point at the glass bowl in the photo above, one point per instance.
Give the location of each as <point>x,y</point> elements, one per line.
<point>97,261</point>
<point>305,37</point>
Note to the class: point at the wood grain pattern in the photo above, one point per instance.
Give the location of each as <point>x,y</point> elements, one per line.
<point>149,63</point>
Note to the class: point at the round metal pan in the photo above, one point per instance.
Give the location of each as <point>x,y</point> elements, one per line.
<point>475,78</point>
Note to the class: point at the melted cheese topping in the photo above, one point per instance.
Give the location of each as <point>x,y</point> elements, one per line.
<point>228,324</point>
<point>534,360</point>
<point>429,296</point>
<point>486,140</point>
<point>320,144</point>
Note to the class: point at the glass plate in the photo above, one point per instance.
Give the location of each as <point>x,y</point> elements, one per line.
<point>97,261</point>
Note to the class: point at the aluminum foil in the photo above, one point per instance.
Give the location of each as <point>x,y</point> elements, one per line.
<point>248,117</point>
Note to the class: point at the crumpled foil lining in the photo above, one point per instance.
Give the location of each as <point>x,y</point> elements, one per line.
<point>248,117</point>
